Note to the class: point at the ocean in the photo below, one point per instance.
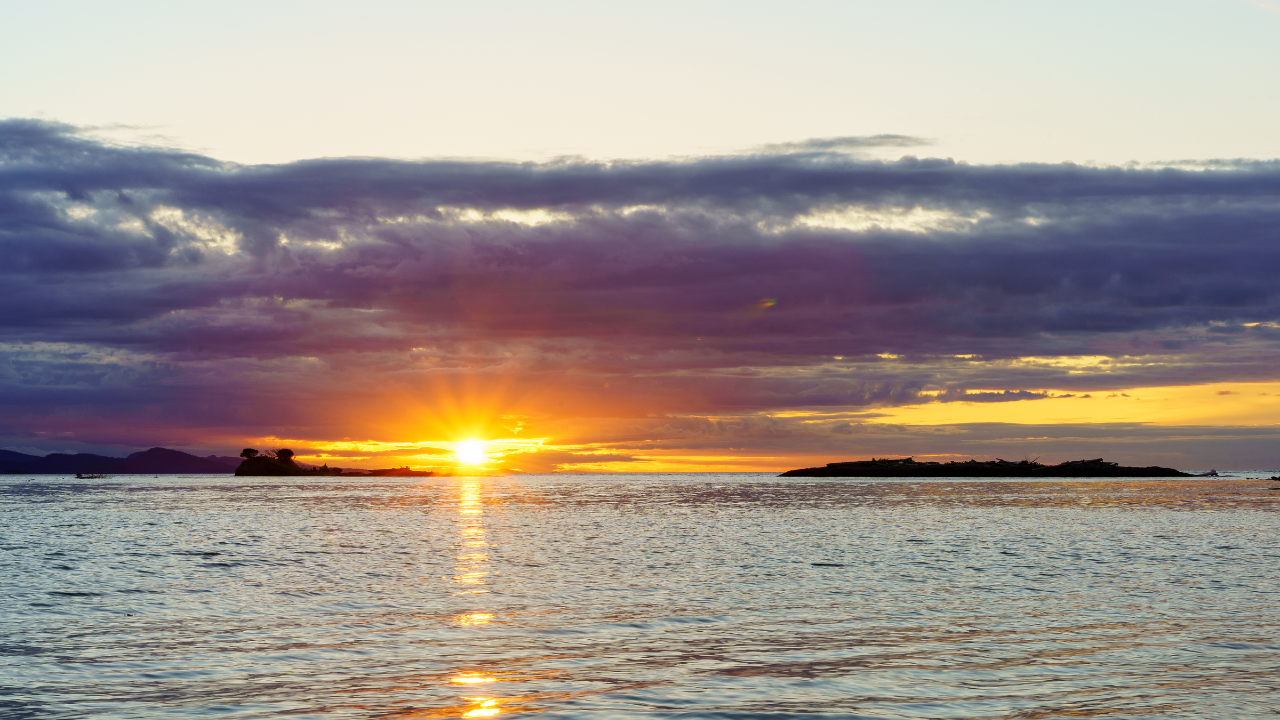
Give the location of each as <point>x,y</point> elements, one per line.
<point>626,596</point>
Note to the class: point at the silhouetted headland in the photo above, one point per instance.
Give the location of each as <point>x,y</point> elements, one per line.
<point>156,461</point>
<point>163,461</point>
<point>908,467</point>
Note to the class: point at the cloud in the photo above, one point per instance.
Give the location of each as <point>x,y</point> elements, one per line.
<point>150,288</point>
<point>960,395</point>
<point>543,461</point>
<point>845,144</point>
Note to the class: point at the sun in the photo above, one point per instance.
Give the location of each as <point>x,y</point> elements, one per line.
<point>470,452</point>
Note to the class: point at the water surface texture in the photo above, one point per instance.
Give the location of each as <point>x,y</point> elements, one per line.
<point>616,596</point>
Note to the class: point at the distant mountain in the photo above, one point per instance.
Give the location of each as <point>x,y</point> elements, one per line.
<point>11,461</point>
<point>16,457</point>
<point>231,462</point>
<point>156,461</point>
<point>63,464</point>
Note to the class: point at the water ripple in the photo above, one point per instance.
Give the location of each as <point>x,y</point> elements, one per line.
<point>707,596</point>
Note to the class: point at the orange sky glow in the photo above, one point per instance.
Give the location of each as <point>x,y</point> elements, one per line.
<point>1171,408</point>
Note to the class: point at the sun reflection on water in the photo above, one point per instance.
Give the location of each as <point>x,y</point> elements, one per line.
<point>472,571</point>
<point>486,708</point>
<point>469,501</point>
<point>472,566</point>
<point>474,619</point>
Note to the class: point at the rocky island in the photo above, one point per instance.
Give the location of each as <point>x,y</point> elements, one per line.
<point>280,463</point>
<point>908,467</point>
<point>277,463</point>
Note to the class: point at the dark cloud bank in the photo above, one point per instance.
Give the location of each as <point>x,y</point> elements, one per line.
<point>166,295</point>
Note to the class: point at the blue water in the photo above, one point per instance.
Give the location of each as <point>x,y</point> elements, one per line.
<point>617,596</point>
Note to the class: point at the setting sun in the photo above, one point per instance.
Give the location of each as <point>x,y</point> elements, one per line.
<point>471,452</point>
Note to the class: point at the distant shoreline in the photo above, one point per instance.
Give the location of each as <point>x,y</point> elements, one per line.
<point>908,467</point>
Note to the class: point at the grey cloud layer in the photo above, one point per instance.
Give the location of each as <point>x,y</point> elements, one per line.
<point>692,285</point>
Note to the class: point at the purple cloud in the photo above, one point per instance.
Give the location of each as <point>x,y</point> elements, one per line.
<point>173,288</point>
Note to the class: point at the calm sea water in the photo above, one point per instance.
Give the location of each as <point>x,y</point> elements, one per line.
<point>616,596</point>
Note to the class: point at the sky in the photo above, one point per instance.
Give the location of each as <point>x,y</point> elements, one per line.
<point>643,237</point>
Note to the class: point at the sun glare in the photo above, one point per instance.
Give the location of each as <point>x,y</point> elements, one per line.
<point>486,708</point>
<point>470,452</point>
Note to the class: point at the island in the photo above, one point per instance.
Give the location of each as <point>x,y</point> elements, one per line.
<point>908,467</point>
<point>280,463</point>
<point>277,463</point>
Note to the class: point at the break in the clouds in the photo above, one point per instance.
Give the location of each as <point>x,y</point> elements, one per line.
<point>146,291</point>
<point>847,144</point>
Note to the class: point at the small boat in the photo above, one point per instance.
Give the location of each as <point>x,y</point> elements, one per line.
<point>89,476</point>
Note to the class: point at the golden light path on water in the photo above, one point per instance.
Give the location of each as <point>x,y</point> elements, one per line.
<point>470,573</point>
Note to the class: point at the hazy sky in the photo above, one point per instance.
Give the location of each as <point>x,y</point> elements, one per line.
<point>369,230</point>
<point>1010,81</point>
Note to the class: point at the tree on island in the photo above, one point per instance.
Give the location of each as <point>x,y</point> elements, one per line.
<point>277,462</point>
